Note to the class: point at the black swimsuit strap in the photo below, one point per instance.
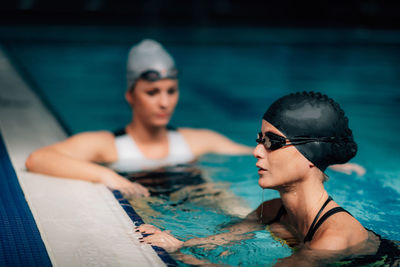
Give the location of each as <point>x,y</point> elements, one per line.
<point>122,131</point>
<point>282,211</point>
<point>329,213</point>
<point>319,213</point>
<point>119,132</point>
<point>317,216</point>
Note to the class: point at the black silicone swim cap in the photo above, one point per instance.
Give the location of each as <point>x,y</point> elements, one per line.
<point>314,115</point>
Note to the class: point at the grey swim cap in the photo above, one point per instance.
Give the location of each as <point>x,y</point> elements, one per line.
<point>318,117</point>
<point>149,56</point>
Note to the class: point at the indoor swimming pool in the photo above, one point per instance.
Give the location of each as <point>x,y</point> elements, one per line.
<point>226,85</point>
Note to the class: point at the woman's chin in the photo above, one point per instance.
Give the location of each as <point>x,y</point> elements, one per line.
<point>266,181</point>
<point>160,123</point>
<point>263,184</point>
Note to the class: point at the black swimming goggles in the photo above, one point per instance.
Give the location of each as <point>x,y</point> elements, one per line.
<point>273,141</point>
<point>154,75</point>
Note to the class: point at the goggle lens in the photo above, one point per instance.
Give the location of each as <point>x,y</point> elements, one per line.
<point>153,75</point>
<point>271,141</point>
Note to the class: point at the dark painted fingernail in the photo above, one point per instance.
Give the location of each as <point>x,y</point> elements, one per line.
<point>137,231</point>
<point>141,241</point>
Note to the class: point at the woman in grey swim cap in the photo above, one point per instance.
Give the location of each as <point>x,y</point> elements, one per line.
<point>301,135</point>
<point>145,143</point>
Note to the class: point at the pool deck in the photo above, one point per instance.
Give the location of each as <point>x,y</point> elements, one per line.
<point>80,223</point>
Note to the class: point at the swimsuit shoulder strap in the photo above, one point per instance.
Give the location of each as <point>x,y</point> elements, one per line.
<point>319,213</point>
<point>119,132</point>
<point>316,219</point>
<point>178,147</point>
<point>315,227</point>
<point>278,216</point>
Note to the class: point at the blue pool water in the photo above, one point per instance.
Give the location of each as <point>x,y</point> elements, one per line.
<point>228,79</point>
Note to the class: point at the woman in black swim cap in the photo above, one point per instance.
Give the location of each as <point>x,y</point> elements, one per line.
<point>301,135</point>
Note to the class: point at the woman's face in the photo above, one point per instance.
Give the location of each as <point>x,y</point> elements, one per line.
<point>154,102</point>
<point>281,167</point>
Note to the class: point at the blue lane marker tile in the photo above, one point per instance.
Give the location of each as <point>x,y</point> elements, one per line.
<point>20,241</point>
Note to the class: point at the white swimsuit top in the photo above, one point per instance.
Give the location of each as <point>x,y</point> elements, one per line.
<point>131,159</point>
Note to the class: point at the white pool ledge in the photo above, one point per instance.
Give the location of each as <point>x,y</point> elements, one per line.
<point>81,223</point>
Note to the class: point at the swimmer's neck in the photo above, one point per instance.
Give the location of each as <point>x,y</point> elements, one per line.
<point>302,202</point>
<point>145,133</point>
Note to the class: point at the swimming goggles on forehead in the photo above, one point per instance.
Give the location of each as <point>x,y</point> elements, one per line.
<point>154,75</point>
<point>273,141</point>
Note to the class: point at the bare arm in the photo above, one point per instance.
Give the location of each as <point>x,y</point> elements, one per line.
<point>167,241</point>
<point>202,141</point>
<point>348,168</point>
<point>305,256</point>
<point>77,158</point>
<point>238,231</point>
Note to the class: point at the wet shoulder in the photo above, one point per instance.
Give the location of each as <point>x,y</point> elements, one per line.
<point>195,133</point>
<point>269,209</point>
<point>339,231</point>
<point>375,251</point>
<point>99,144</point>
<point>96,137</point>
<point>198,140</point>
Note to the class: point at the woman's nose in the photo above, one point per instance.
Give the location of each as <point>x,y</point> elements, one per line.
<point>259,151</point>
<point>164,100</point>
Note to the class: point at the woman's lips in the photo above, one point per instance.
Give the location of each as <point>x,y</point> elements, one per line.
<point>163,115</point>
<point>261,170</point>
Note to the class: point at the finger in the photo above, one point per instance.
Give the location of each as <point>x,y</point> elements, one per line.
<point>129,192</point>
<point>134,192</point>
<point>141,228</point>
<point>154,238</point>
<point>144,226</point>
<point>157,244</point>
<point>142,190</point>
<point>150,238</point>
<point>348,172</point>
<point>146,192</point>
<point>148,229</point>
<point>147,225</point>
<point>152,230</point>
<point>360,171</point>
<point>124,191</point>
<point>147,240</point>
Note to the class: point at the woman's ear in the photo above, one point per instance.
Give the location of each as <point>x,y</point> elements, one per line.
<point>129,97</point>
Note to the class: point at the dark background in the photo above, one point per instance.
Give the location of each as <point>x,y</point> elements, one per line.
<point>381,14</point>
